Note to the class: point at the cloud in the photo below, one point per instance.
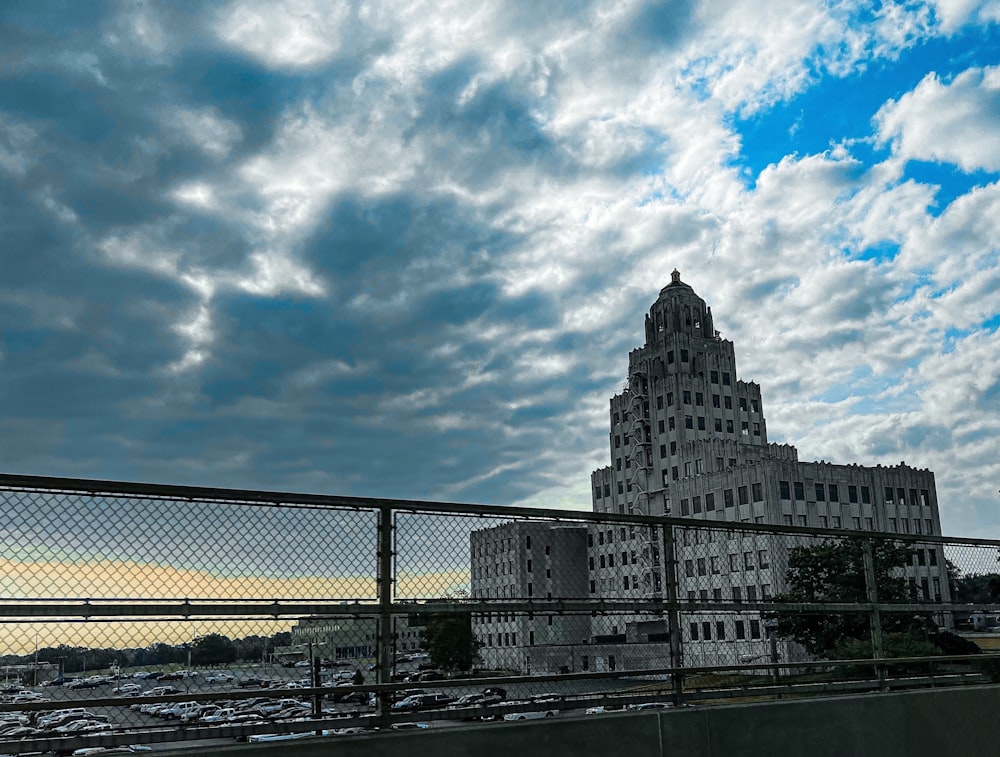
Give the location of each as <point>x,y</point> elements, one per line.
<point>955,121</point>
<point>404,250</point>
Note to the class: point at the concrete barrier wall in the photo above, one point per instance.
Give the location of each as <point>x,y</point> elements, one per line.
<point>940,722</point>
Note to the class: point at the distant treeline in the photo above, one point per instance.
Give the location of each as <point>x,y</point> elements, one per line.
<point>210,649</point>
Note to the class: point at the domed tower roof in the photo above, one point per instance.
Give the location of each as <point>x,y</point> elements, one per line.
<point>679,309</point>
<point>675,281</point>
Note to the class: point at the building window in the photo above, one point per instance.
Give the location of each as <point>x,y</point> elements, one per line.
<point>924,497</point>
<point>689,568</point>
<point>726,379</point>
<point>784,490</point>
<point>659,402</point>
<point>701,423</point>
<point>684,356</point>
<point>744,495</point>
<point>762,558</point>
<point>748,561</point>
<point>737,593</point>
<point>699,399</point>
<point>671,423</point>
<point>593,590</point>
<point>758,492</point>
<point>693,631</point>
<point>730,428</point>
<point>714,562</point>
<point>702,570</point>
<point>866,495</point>
<point>820,493</point>
<point>706,630</point>
<point>741,630</point>
<point>727,496</point>
<point>696,505</point>
<point>852,494</point>
<point>685,507</point>
<point>688,422</point>
<point>710,502</point>
<point>888,495</point>
<point>834,495</point>
<point>716,401</point>
<point>687,396</point>
<point>659,426</point>
<point>713,376</point>
<point>754,629</point>
<point>720,630</point>
<point>800,491</point>
<point>529,589</point>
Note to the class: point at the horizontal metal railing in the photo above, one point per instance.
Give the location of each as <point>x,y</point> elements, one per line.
<point>391,561</point>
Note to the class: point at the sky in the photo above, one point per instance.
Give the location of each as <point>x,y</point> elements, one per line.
<point>402,249</point>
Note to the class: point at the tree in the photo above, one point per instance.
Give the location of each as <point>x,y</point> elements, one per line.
<point>834,571</point>
<point>973,588</point>
<point>213,649</point>
<point>449,641</point>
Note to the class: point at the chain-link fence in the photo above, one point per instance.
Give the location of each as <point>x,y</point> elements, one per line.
<point>135,614</point>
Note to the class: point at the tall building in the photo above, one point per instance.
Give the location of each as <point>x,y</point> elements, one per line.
<point>688,438</point>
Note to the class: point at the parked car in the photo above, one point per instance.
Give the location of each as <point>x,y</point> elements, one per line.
<point>422,702</point>
<point>127,689</point>
<point>531,715</point>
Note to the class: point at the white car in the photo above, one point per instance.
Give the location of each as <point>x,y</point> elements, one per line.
<point>531,715</point>
<point>265,737</point>
<point>127,689</point>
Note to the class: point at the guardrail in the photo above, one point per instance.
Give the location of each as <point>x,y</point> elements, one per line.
<point>561,610</point>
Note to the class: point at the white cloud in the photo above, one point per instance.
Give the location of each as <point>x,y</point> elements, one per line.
<point>286,34</point>
<point>955,121</point>
<point>954,14</point>
<point>205,129</point>
<point>17,144</point>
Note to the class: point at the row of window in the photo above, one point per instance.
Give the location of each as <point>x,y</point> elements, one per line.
<point>702,566</point>
<point>831,493</point>
<point>698,400</point>
<point>893,525</point>
<point>743,494</point>
<point>703,631</point>
<point>627,583</point>
<point>737,593</point>
<point>506,639</point>
<point>609,560</point>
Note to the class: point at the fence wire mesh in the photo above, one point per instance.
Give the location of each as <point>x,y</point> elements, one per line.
<point>138,614</point>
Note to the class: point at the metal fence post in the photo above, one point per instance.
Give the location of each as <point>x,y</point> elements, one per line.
<point>386,644</point>
<point>673,613</point>
<point>875,616</point>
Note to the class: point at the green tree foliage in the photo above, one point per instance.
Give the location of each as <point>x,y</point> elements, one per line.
<point>834,571</point>
<point>974,588</point>
<point>449,641</point>
<point>213,649</point>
